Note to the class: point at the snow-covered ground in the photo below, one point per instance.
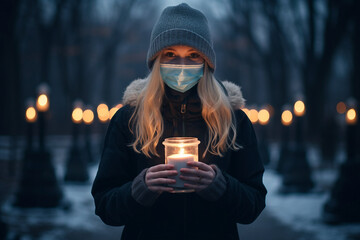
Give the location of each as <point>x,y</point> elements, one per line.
<point>56,224</point>
<point>302,212</point>
<point>75,220</point>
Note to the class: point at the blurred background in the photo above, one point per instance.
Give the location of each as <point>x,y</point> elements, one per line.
<point>65,64</point>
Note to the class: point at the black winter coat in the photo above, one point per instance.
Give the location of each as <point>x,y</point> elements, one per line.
<point>186,215</point>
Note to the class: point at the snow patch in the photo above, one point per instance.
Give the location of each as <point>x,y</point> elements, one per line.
<point>303,212</point>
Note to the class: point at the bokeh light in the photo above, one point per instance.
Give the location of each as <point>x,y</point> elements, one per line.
<point>286,118</point>
<point>31,114</point>
<point>253,115</point>
<point>77,115</point>
<point>341,107</point>
<point>299,108</point>
<point>114,110</point>
<point>42,103</point>
<point>264,116</point>
<point>88,116</point>
<point>246,111</point>
<point>351,116</point>
<point>103,112</point>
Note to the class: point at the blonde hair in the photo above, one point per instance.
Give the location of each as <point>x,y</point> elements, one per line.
<point>218,115</point>
<point>148,124</point>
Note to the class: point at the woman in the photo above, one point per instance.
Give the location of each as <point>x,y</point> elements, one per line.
<point>180,97</point>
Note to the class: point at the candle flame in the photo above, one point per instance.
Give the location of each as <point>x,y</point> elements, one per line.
<point>182,150</point>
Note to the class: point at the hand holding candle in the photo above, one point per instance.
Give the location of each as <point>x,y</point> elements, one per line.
<point>158,177</point>
<point>197,175</point>
<point>179,161</point>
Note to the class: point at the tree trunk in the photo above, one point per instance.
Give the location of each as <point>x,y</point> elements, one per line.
<point>11,101</point>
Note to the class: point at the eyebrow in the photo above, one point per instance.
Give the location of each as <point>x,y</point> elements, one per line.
<point>190,50</point>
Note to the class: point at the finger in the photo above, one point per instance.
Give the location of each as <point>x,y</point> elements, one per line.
<point>159,181</point>
<point>200,165</point>
<point>161,174</point>
<point>195,180</point>
<point>161,189</point>
<point>161,167</point>
<point>195,172</point>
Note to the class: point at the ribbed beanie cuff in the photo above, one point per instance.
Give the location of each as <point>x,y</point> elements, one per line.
<point>181,25</point>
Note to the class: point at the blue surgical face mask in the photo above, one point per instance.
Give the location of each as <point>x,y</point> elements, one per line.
<point>181,77</point>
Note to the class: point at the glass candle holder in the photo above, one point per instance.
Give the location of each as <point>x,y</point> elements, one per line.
<point>179,151</point>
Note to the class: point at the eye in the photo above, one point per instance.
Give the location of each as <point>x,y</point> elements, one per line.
<point>194,55</point>
<point>169,54</point>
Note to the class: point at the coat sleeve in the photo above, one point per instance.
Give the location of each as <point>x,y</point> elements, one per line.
<point>244,198</point>
<point>111,189</point>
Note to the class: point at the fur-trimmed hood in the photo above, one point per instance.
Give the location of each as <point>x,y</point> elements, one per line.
<point>132,92</point>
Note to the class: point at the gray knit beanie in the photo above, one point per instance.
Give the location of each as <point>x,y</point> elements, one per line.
<point>181,25</point>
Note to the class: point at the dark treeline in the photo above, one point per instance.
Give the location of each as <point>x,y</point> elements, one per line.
<point>284,50</point>
<point>87,50</point>
<point>90,50</point>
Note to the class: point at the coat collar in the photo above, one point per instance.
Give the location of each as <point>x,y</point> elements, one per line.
<point>134,89</point>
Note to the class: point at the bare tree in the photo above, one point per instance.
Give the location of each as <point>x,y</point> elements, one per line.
<point>10,102</point>
<point>318,36</point>
<point>107,59</point>
<point>320,48</point>
<point>273,55</point>
<point>47,28</point>
<point>355,37</point>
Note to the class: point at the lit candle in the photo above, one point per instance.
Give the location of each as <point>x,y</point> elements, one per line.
<point>180,161</point>
<point>179,151</point>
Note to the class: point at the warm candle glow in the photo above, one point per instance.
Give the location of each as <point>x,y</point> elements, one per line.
<point>253,115</point>
<point>351,116</point>
<point>42,103</point>
<point>103,112</point>
<point>341,107</point>
<point>77,115</point>
<point>180,160</point>
<point>179,151</point>
<point>31,114</point>
<point>264,116</point>
<point>286,118</point>
<point>299,108</point>
<point>88,116</point>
